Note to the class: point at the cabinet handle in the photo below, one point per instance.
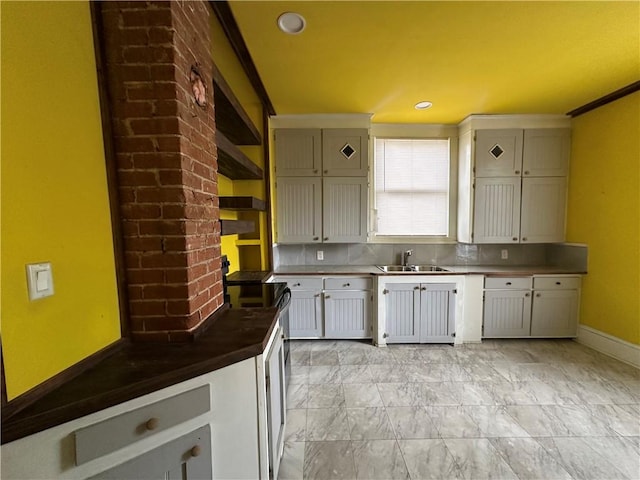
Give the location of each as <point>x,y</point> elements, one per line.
<point>315,171</point>
<point>385,291</point>
<point>317,295</point>
<point>558,283</point>
<point>416,288</point>
<point>315,239</point>
<point>326,171</point>
<point>524,239</point>
<point>296,284</point>
<point>527,294</point>
<point>538,295</point>
<point>515,239</point>
<point>195,451</point>
<point>326,238</point>
<point>508,283</point>
<point>327,296</point>
<point>152,424</point>
<point>526,172</point>
<point>346,285</point>
<point>517,172</point>
<point>423,288</point>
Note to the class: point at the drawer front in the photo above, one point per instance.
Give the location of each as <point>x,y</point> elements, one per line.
<point>302,283</point>
<point>114,433</point>
<point>507,283</point>
<point>348,283</point>
<point>557,283</point>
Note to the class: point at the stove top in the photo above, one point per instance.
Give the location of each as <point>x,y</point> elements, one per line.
<point>252,295</point>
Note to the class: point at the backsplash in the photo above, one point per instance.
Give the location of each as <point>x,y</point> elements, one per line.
<point>565,255</point>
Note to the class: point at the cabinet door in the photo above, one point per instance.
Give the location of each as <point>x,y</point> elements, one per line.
<point>498,153</point>
<point>543,209</point>
<point>305,314</point>
<point>555,313</point>
<point>437,313</point>
<point>276,403</point>
<point>403,313</point>
<point>507,313</point>
<point>344,210</point>
<point>186,458</point>
<point>546,152</point>
<point>299,212</point>
<point>298,152</point>
<point>345,152</point>
<point>347,314</point>
<point>497,210</point>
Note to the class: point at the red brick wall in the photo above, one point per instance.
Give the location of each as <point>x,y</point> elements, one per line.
<point>167,163</point>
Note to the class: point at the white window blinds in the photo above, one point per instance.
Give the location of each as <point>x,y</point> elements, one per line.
<point>412,186</point>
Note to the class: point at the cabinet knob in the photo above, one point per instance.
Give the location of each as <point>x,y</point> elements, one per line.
<point>346,285</point>
<point>416,288</point>
<point>195,451</point>
<point>526,172</point>
<point>296,284</point>
<point>315,171</point>
<point>558,283</point>
<point>317,295</point>
<point>326,238</point>
<point>423,288</point>
<point>515,239</point>
<point>327,296</point>
<point>517,172</point>
<point>508,283</point>
<point>527,294</point>
<point>538,295</point>
<point>326,171</point>
<point>524,239</point>
<point>152,424</point>
<point>315,239</point>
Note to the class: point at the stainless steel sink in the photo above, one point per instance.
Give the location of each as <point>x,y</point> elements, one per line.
<point>395,268</point>
<point>411,268</point>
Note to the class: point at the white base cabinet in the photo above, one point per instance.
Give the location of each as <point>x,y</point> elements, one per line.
<point>523,307</point>
<point>420,312</point>
<point>330,307</point>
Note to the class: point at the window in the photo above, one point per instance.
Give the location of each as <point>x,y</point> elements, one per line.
<point>412,179</point>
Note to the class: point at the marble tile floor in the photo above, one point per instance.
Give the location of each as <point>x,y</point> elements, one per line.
<point>503,409</point>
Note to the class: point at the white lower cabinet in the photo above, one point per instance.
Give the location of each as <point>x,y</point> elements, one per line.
<point>215,426</point>
<point>330,307</point>
<point>420,312</point>
<point>539,306</point>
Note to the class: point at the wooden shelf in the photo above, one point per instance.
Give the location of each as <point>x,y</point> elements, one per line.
<point>242,203</point>
<point>254,242</point>
<point>233,227</point>
<point>234,164</point>
<point>231,118</point>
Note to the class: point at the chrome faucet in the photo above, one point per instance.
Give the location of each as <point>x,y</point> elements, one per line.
<point>405,257</point>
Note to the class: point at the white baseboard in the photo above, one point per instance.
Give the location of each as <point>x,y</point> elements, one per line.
<point>609,345</point>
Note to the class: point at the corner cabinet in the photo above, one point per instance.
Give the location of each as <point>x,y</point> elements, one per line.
<point>420,312</point>
<point>321,185</point>
<point>513,185</point>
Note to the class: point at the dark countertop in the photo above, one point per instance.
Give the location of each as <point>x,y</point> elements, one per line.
<point>362,270</point>
<point>137,369</point>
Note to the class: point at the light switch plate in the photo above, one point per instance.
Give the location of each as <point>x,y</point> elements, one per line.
<point>39,280</point>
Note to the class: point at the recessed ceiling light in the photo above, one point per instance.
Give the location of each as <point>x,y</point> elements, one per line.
<point>423,105</point>
<point>291,23</point>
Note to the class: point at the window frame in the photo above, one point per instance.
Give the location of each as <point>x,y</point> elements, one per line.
<point>415,132</point>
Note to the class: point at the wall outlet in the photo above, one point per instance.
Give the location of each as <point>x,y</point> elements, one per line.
<point>319,255</point>
<point>504,254</point>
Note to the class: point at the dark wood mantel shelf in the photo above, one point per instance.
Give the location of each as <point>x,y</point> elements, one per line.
<point>242,203</point>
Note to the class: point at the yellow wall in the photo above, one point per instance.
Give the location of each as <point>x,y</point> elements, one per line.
<point>245,257</point>
<point>54,193</point>
<point>604,213</point>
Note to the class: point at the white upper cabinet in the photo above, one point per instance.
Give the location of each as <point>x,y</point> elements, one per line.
<point>298,152</point>
<point>314,152</point>
<point>499,153</point>
<point>546,152</point>
<point>345,152</point>
<point>344,210</point>
<point>543,209</point>
<point>497,210</point>
<point>299,203</point>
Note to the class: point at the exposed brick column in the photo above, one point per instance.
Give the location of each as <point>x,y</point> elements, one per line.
<point>167,164</point>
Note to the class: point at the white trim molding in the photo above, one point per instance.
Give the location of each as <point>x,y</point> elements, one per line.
<point>608,344</point>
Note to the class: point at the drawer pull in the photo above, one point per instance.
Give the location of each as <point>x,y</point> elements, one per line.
<point>508,283</point>
<point>346,285</point>
<point>296,284</point>
<point>195,451</point>
<point>152,424</point>
<point>558,283</point>
<point>315,239</point>
<point>416,288</point>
